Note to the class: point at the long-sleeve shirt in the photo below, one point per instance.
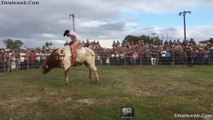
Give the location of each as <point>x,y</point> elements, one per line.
<point>73,36</point>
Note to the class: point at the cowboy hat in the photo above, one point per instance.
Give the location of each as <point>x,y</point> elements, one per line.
<point>66,32</point>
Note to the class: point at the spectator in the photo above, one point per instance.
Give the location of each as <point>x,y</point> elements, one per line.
<point>117,57</point>
<point>38,59</point>
<point>153,58</point>
<point>32,59</point>
<point>134,57</point>
<point>13,63</point>
<point>1,61</point>
<point>124,53</point>
<point>206,56</point>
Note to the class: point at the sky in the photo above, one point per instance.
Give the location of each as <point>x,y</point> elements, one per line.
<point>98,19</point>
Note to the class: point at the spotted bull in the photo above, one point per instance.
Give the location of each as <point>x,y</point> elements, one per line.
<point>61,58</point>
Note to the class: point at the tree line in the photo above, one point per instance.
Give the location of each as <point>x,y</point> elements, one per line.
<point>17,44</point>
<point>146,39</point>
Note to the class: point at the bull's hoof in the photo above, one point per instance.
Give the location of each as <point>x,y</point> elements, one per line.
<point>99,83</point>
<point>74,64</point>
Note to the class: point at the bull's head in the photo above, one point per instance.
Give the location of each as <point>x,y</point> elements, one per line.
<point>45,68</point>
<point>53,61</point>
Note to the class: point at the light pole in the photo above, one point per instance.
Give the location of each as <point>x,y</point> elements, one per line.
<point>73,20</point>
<point>154,37</point>
<point>184,21</point>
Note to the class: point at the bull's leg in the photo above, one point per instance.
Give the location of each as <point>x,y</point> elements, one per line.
<point>97,77</point>
<point>66,73</point>
<point>90,73</point>
<point>93,68</point>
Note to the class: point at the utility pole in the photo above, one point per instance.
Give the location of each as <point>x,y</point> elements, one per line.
<point>184,21</point>
<point>153,37</point>
<point>73,20</point>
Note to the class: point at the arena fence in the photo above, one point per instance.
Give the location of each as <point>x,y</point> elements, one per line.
<point>11,67</point>
<point>107,59</point>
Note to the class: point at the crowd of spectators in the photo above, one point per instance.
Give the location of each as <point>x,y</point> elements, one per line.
<point>12,60</point>
<point>158,52</point>
<point>125,53</point>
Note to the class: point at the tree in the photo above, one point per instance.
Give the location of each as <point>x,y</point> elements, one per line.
<point>47,45</point>
<point>135,39</point>
<point>38,49</point>
<point>146,39</point>
<point>13,44</point>
<point>18,43</point>
<point>131,38</point>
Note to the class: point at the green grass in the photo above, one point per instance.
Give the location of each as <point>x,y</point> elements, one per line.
<point>155,93</point>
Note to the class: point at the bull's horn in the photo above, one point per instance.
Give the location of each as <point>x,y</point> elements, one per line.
<point>46,66</point>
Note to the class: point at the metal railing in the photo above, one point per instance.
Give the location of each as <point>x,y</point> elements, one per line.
<point>26,65</point>
<point>107,59</point>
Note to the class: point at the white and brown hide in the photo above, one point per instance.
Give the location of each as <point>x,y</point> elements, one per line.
<point>61,57</point>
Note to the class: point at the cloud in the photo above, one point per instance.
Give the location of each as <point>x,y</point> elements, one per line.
<point>116,26</point>
<point>197,33</point>
<point>94,19</point>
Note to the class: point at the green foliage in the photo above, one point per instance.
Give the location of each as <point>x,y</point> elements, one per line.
<point>146,39</point>
<point>47,45</point>
<point>131,38</point>
<point>38,49</point>
<point>13,44</point>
